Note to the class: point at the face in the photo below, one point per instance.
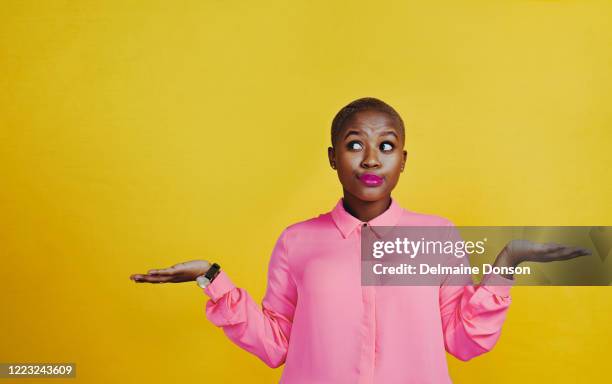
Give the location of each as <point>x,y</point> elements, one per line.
<point>369,155</point>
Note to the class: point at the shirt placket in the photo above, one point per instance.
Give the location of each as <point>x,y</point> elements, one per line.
<point>368,324</point>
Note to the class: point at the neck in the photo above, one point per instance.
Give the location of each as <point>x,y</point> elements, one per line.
<point>365,210</point>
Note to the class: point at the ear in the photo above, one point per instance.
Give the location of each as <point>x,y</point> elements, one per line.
<point>404,161</point>
<point>331,154</point>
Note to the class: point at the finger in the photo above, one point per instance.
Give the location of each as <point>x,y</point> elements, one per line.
<point>578,252</point>
<point>569,253</point>
<point>152,279</point>
<point>166,271</point>
<point>137,276</point>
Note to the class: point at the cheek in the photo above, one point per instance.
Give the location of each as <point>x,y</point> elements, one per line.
<point>346,174</point>
<point>393,163</point>
<point>348,162</point>
<point>393,169</point>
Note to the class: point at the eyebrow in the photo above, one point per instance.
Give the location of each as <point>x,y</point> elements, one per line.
<point>353,132</point>
<point>390,133</point>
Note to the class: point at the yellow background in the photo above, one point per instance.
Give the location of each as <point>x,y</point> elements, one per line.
<point>138,134</point>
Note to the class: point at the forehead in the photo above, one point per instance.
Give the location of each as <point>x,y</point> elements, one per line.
<point>371,122</point>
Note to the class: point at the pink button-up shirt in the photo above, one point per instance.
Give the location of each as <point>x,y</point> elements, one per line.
<point>327,328</point>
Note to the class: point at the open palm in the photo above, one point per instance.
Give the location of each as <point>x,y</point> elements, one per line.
<point>178,273</point>
<point>525,250</point>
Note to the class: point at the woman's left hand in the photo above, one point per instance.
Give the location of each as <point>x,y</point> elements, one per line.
<point>178,273</point>
<point>517,251</point>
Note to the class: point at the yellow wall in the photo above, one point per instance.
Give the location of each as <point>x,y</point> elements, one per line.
<point>137,134</point>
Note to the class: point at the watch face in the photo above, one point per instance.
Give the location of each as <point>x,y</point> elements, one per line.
<point>203,281</point>
<point>212,271</point>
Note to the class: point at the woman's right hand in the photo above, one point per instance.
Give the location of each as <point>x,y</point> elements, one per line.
<point>178,273</point>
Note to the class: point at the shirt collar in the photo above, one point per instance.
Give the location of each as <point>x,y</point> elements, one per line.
<point>347,223</point>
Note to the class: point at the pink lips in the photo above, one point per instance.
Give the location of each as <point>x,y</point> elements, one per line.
<point>371,180</point>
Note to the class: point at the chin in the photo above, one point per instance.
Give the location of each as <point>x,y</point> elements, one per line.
<point>371,194</point>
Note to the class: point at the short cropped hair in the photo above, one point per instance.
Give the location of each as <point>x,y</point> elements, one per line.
<point>364,104</point>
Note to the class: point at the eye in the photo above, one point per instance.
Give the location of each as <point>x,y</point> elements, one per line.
<point>355,146</point>
<point>386,147</point>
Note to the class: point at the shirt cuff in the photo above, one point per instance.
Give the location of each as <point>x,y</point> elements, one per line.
<point>219,286</point>
<point>497,284</point>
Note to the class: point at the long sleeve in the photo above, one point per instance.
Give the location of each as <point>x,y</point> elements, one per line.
<point>264,331</point>
<point>472,316</point>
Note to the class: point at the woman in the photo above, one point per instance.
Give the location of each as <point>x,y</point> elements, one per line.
<point>317,318</point>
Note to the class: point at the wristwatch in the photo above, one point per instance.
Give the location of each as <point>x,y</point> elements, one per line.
<point>209,276</point>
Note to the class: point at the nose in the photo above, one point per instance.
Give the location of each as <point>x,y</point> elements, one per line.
<point>370,159</point>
